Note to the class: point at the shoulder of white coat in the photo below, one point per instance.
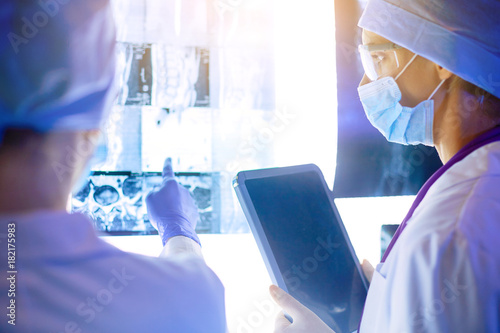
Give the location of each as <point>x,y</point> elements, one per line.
<point>467,195</point>
<point>182,284</point>
<point>460,210</point>
<point>483,162</point>
<point>180,269</point>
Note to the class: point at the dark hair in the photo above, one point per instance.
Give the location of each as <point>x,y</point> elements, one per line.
<point>489,104</point>
<point>18,137</point>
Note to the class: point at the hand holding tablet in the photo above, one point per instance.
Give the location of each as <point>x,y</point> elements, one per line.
<point>305,320</point>
<point>303,241</point>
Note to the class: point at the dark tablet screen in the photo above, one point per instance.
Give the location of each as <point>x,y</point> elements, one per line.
<point>308,244</point>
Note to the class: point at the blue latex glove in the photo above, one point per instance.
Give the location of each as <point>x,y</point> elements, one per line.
<point>171,209</point>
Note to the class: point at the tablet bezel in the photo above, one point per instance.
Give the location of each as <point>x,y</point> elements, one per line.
<point>257,229</point>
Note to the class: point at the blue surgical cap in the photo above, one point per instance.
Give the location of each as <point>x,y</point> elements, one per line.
<point>57,64</point>
<point>462,36</point>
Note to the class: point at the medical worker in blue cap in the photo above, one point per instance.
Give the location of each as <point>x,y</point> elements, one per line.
<point>57,80</point>
<point>432,77</point>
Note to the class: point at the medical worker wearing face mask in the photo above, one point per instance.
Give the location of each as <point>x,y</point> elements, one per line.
<point>57,84</point>
<point>432,77</point>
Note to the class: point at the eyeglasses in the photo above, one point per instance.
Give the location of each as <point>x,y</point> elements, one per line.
<point>379,59</point>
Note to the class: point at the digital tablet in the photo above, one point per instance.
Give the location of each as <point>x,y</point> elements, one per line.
<point>303,241</point>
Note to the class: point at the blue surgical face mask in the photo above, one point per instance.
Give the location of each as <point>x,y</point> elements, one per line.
<point>399,124</point>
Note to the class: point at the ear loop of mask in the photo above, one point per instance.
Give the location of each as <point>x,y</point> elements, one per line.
<point>404,68</point>
<point>439,86</point>
<point>408,64</point>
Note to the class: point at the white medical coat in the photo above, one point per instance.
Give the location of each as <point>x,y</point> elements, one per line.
<point>443,274</point>
<point>68,280</point>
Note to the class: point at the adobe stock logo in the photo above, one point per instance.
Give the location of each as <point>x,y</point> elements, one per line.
<point>426,316</point>
<point>89,310</point>
<point>31,26</point>
<point>263,310</point>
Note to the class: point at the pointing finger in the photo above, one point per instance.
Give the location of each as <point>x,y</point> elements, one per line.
<point>168,172</point>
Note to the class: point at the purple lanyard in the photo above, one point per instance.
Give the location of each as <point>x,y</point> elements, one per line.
<point>482,140</point>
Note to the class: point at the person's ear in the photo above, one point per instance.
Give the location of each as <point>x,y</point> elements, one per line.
<point>443,73</point>
<point>85,143</point>
<point>92,135</point>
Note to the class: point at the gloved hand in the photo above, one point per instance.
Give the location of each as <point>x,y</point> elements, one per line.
<point>171,209</point>
<point>304,320</point>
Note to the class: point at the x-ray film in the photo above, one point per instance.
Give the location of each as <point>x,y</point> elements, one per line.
<point>115,201</point>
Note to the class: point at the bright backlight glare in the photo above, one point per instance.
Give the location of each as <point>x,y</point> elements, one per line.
<point>306,83</point>
<point>364,217</point>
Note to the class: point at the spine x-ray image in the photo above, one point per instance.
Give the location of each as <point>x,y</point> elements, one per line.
<point>115,201</point>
